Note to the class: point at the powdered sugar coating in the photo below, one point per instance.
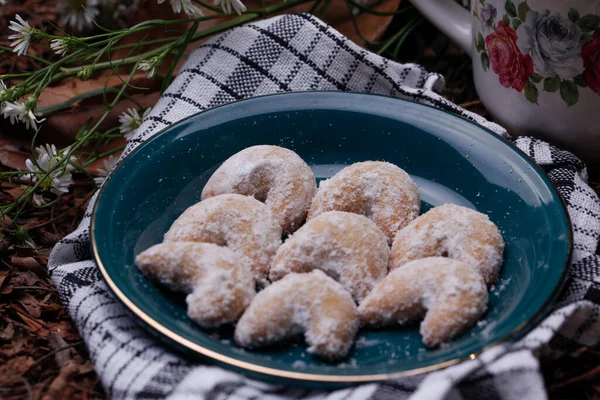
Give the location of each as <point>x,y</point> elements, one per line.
<point>381,191</point>
<point>310,303</point>
<point>450,294</point>
<point>218,284</point>
<point>241,223</point>
<point>272,174</point>
<point>348,247</point>
<point>454,231</point>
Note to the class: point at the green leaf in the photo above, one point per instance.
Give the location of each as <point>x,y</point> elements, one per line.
<point>480,44</point>
<point>578,80</point>
<point>573,15</point>
<point>482,2</point>
<point>589,22</point>
<point>569,92</point>
<point>585,37</point>
<point>523,8</point>
<point>509,6</point>
<point>485,61</point>
<point>516,23</point>
<point>531,93</point>
<point>535,78</point>
<point>552,84</point>
<point>506,20</point>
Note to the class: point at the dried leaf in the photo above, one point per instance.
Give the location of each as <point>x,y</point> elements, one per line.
<point>6,289</point>
<point>56,343</point>
<point>25,278</point>
<point>4,244</point>
<point>44,252</point>
<point>15,192</point>
<point>13,153</point>
<point>30,323</point>
<point>7,332</point>
<point>13,348</point>
<point>74,87</point>
<point>30,304</point>
<point>3,276</point>
<point>45,238</point>
<point>11,371</point>
<point>64,125</point>
<point>52,307</point>
<point>372,27</point>
<point>85,368</point>
<point>25,263</point>
<point>61,381</point>
<point>42,334</point>
<point>64,329</point>
<point>24,251</point>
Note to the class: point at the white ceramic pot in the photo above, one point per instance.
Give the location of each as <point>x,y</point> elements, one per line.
<point>536,65</point>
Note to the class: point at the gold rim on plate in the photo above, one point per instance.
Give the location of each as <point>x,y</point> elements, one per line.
<point>307,377</point>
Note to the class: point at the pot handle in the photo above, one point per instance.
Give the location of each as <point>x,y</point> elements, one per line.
<point>450,18</point>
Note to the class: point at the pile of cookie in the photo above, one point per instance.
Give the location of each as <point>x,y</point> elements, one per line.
<point>357,254</point>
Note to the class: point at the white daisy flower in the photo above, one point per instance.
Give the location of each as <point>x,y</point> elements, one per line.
<point>61,183</point>
<point>186,6</point>
<point>22,37</point>
<point>109,165</point>
<point>130,120</point>
<point>124,8</point>
<point>20,112</point>
<point>14,111</point>
<point>226,5</point>
<point>78,14</point>
<point>4,92</point>
<point>59,180</point>
<point>39,199</point>
<point>60,155</point>
<point>150,65</point>
<point>54,156</point>
<point>59,46</point>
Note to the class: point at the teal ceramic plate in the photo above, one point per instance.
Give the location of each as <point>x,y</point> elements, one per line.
<point>452,161</point>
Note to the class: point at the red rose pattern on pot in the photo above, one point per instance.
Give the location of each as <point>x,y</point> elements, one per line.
<point>512,67</point>
<point>536,51</point>
<point>591,62</point>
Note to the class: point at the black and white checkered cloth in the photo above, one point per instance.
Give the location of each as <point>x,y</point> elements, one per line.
<point>299,52</point>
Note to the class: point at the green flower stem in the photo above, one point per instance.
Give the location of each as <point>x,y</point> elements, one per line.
<point>45,82</point>
<point>5,173</point>
<point>33,80</point>
<point>21,75</point>
<point>144,43</point>
<point>81,169</point>
<point>75,99</point>
<point>398,36</point>
<point>10,49</point>
<point>349,5</point>
<point>323,8</point>
<point>316,4</point>
<point>182,46</point>
<point>208,6</point>
<point>247,17</point>
<point>409,28</point>
<point>64,67</point>
<point>21,200</point>
<point>67,72</point>
<point>88,135</point>
<point>391,41</point>
<point>93,159</point>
